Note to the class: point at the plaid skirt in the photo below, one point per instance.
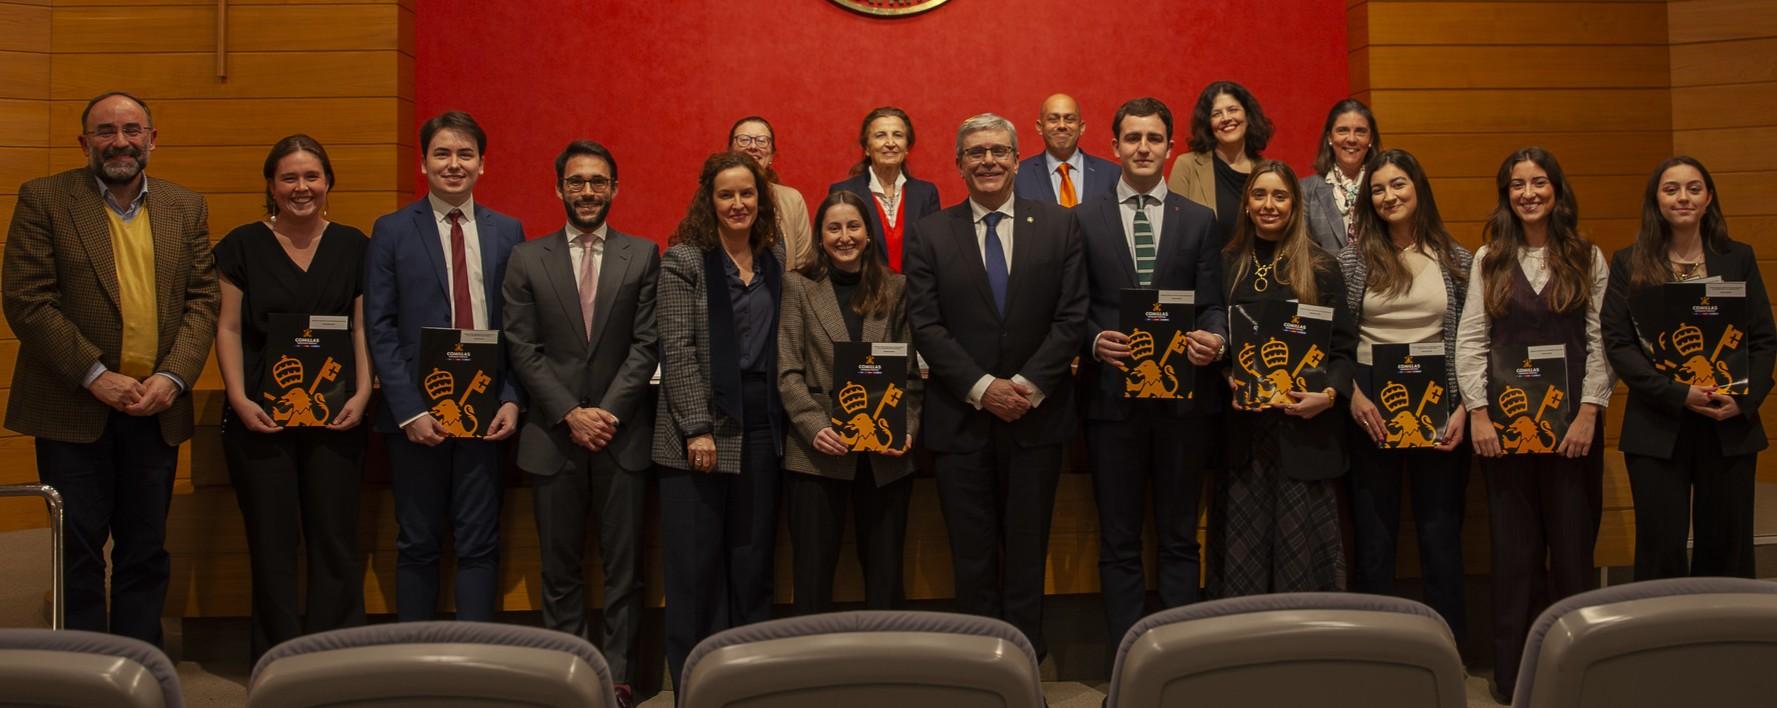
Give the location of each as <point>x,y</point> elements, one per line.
<point>1269,532</point>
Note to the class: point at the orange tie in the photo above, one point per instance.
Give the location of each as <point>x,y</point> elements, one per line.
<point>1068,198</point>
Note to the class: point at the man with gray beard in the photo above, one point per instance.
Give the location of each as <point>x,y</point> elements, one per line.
<point>109,283</point>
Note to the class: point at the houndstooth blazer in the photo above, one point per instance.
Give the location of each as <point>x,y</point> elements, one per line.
<point>687,399</point>
<point>60,296</point>
<point>1357,275</point>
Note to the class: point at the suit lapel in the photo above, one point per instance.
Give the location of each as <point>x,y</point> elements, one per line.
<point>1169,234</point>
<point>88,209</point>
<point>558,271</point>
<point>876,328</point>
<point>612,270</point>
<point>963,229</point>
<point>1112,220</point>
<point>488,239</point>
<point>427,229</point>
<point>1024,246</point>
<point>163,222</point>
<point>825,303</point>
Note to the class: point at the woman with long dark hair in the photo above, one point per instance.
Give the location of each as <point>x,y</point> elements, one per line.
<point>1337,190</point>
<point>1690,449</point>
<point>846,295</point>
<point>1405,280</point>
<point>1274,517</point>
<point>895,197</point>
<point>1536,282</point>
<point>294,484</point>
<point>719,428</point>
<point>1229,132</point>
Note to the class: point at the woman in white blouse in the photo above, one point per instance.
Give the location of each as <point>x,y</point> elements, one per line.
<point>1536,282</point>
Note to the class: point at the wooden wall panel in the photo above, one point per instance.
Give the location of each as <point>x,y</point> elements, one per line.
<point>1515,24</point>
<point>250,28</point>
<point>1468,67</point>
<point>282,74</point>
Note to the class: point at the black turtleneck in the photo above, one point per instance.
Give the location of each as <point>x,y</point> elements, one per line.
<point>844,286</point>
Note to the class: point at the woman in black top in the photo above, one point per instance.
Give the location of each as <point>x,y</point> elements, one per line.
<point>1229,132</point>
<point>299,483</point>
<point>1689,448</point>
<point>1274,519</point>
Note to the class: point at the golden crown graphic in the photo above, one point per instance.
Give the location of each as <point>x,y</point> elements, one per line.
<point>1275,353</point>
<point>440,384</point>
<point>853,398</point>
<point>287,371</point>
<point>1141,345</point>
<point>1688,338</point>
<point>1395,396</point>
<point>1514,401</point>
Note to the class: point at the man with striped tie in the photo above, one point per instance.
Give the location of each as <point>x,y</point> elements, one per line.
<point>1142,236</point>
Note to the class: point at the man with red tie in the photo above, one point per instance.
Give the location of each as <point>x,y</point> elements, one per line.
<point>1063,173</point>
<point>439,262</point>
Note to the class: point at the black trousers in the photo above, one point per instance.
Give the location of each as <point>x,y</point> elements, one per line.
<point>595,492</point>
<point>997,503</point>
<point>1697,480</point>
<point>451,490</point>
<point>1147,457</point>
<point>1437,481</point>
<point>1544,511</point>
<point>816,509</point>
<point>299,486</point>
<point>115,488</point>
<point>718,533</point>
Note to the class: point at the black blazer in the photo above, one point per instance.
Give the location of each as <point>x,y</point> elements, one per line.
<point>1189,259</point>
<point>963,337</point>
<point>548,350</point>
<point>1314,448</point>
<point>1656,402</point>
<point>919,199</point>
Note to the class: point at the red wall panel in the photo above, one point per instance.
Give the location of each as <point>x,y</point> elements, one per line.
<point>659,82</point>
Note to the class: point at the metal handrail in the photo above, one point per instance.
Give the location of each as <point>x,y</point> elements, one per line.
<point>53,500</point>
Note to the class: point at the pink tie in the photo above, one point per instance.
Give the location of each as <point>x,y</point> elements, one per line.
<point>589,279</point>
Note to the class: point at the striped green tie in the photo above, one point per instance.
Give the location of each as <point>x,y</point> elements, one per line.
<point>1144,242</point>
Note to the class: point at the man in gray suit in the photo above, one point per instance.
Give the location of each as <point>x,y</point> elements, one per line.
<point>580,332</point>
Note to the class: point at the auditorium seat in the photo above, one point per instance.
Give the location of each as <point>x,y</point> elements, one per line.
<point>75,669</point>
<point>457,664</point>
<point>870,659</point>
<point>1328,650</point>
<point>1678,642</point>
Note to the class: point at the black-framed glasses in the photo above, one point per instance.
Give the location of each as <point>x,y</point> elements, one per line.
<point>763,141</point>
<point>981,153</point>
<point>131,131</point>
<point>598,185</point>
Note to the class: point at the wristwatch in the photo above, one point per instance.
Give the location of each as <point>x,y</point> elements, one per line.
<point>1332,394</point>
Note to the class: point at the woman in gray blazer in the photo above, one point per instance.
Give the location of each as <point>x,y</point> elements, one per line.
<point>846,295</point>
<point>1347,141</point>
<point>718,431</point>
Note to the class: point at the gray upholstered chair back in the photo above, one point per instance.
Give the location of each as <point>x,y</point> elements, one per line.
<point>74,669</point>
<point>1678,642</point>
<point>449,664</point>
<point>864,660</point>
<point>1329,650</point>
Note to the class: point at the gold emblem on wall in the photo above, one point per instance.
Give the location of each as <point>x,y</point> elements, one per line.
<point>889,8</point>
<point>300,406</point>
<point>866,431</point>
<point>455,414</point>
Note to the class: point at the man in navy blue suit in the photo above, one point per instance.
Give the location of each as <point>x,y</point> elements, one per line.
<point>439,262</point>
<point>1140,235</point>
<point>1063,173</point>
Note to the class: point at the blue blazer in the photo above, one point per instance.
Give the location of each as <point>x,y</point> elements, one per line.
<point>405,290</point>
<point>1033,178</point>
<point>918,198</point>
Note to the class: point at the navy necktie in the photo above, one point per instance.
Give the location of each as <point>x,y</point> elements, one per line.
<point>996,261</point>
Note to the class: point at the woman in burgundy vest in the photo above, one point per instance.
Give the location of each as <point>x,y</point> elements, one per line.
<point>1536,283</point>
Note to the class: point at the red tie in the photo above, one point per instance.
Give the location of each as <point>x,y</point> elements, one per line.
<point>463,309</point>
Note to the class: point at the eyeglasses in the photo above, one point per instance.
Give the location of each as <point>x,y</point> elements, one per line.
<point>131,131</point>
<point>980,153</point>
<point>763,141</point>
<point>598,185</point>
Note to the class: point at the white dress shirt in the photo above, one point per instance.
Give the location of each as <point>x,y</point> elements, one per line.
<point>890,206</point>
<point>1473,340</point>
<point>578,254</point>
<point>472,250</point>
<point>1005,233</point>
<point>1150,206</point>
<point>1076,173</point>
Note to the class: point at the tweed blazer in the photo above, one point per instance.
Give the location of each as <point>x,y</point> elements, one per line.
<point>60,295</point>
<point>1357,276</point>
<point>1194,178</point>
<point>687,397</point>
<point>810,323</point>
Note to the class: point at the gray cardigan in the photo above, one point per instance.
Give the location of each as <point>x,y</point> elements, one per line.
<point>1357,276</point>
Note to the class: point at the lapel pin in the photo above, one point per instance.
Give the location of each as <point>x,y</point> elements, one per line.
<point>1030,220</point>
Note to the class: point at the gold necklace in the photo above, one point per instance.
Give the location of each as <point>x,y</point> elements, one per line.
<point>1262,271</point>
<point>1685,270</point>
